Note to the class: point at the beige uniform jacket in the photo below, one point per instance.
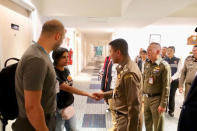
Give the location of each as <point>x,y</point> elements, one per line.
<point>189,70</point>
<point>128,93</point>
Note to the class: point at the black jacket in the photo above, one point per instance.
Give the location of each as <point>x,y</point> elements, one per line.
<point>139,63</point>
<point>188,116</point>
<point>107,78</point>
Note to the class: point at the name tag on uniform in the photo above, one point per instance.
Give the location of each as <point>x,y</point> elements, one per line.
<point>150,80</point>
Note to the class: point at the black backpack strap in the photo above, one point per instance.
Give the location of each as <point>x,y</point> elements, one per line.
<point>16,59</point>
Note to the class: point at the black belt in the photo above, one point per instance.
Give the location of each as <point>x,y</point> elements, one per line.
<point>152,95</point>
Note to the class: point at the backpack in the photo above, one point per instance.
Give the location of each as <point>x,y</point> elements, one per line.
<point>8,101</point>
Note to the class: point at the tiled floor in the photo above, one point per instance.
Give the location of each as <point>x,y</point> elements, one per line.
<point>95,86</point>
<point>92,116</point>
<point>94,121</point>
<point>99,108</point>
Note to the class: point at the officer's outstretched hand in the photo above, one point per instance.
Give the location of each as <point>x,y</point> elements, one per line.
<point>99,95</point>
<point>91,95</point>
<point>161,109</point>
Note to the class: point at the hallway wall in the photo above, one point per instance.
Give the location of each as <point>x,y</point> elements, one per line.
<point>170,35</point>
<point>97,40</point>
<point>13,42</point>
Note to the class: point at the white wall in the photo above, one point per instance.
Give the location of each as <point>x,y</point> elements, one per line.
<point>170,36</point>
<point>97,40</point>
<point>12,42</point>
<point>36,19</point>
<point>83,49</point>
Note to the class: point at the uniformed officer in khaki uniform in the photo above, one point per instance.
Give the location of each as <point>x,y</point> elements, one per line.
<point>128,90</point>
<point>156,79</point>
<point>188,72</point>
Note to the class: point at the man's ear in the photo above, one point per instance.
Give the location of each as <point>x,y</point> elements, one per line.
<point>57,36</point>
<point>118,52</point>
<point>158,52</point>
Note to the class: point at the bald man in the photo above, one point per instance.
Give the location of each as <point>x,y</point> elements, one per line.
<point>156,79</point>
<point>35,81</point>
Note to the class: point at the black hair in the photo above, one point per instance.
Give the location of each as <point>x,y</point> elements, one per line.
<point>120,44</point>
<point>57,53</point>
<point>172,47</point>
<point>195,45</point>
<point>144,51</point>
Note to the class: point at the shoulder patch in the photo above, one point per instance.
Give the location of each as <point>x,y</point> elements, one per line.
<point>189,58</point>
<point>128,76</point>
<point>164,62</point>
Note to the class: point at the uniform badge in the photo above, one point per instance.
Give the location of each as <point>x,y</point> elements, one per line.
<point>175,62</point>
<point>150,80</point>
<point>156,69</point>
<point>118,76</point>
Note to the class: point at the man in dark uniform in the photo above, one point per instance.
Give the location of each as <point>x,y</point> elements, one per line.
<point>142,61</point>
<point>164,52</point>
<point>175,65</point>
<point>128,90</point>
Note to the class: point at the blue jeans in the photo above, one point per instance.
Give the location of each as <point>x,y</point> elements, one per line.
<point>69,125</point>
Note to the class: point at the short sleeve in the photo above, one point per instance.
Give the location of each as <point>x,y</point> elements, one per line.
<point>34,73</point>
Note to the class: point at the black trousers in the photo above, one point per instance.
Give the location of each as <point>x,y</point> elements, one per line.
<point>187,119</point>
<point>173,87</point>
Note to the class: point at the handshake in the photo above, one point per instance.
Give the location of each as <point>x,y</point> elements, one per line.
<point>96,95</point>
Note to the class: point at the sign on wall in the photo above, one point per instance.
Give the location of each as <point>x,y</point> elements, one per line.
<point>15,27</point>
<point>155,38</point>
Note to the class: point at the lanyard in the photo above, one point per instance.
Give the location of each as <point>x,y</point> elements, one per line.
<point>39,46</point>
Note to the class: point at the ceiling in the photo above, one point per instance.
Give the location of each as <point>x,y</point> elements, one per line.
<point>108,15</point>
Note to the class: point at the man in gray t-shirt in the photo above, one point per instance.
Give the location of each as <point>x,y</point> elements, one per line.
<point>35,82</point>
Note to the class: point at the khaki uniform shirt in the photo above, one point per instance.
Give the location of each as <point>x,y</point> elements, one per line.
<point>128,93</point>
<point>189,70</point>
<point>156,79</point>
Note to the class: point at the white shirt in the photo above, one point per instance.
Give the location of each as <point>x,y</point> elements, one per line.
<point>177,75</point>
<point>143,62</point>
<point>114,76</point>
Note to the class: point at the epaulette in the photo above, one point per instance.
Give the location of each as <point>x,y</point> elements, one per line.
<point>189,58</point>
<point>165,63</point>
<point>125,69</point>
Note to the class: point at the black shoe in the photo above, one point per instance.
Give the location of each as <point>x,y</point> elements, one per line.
<point>171,114</point>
